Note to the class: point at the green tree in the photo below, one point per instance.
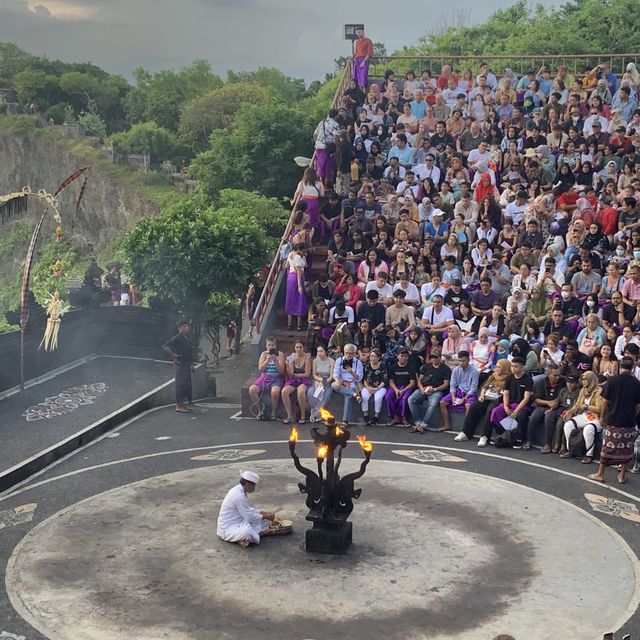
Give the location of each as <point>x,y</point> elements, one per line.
<point>216,110</point>
<point>147,137</point>
<point>76,83</point>
<point>193,251</point>
<point>267,212</point>
<point>29,85</point>
<point>94,125</point>
<point>256,153</point>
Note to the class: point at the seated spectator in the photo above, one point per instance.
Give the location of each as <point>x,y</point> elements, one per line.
<point>546,408</point>
<point>321,376</point>
<point>402,381</point>
<point>347,373</point>
<point>515,405</point>
<point>382,287</point>
<point>433,382</point>
<point>592,336</point>
<point>270,380</point>
<point>437,318</point>
<point>399,315</point>
<point>585,415</point>
<point>463,388</point>
<point>374,386</point>
<point>298,367</point>
<point>489,397</point>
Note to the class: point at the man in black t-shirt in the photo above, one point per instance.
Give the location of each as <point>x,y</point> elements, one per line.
<point>619,410</point>
<point>181,351</point>
<point>515,403</point>
<point>402,382</point>
<point>455,295</point>
<point>330,213</point>
<point>558,325</point>
<point>574,361</point>
<point>373,311</point>
<point>545,408</point>
<point>618,313</point>
<point>433,382</point>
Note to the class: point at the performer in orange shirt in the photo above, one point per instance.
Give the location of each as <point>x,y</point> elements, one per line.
<point>363,52</point>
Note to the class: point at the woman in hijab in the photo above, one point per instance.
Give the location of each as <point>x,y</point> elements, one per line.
<point>585,414</point>
<point>602,92</point>
<point>564,175</point>
<point>585,175</point>
<point>632,75</point>
<point>547,162</point>
<point>596,240</point>
<point>490,396</point>
<point>453,344</point>
<point>538,308</point>
<point>360,152</point>
<point>520,348</point>
<point>584,213</point>
<point>485,188</point>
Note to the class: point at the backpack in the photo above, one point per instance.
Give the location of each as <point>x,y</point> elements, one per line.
<point>577,445</point>
<point>504,440</point>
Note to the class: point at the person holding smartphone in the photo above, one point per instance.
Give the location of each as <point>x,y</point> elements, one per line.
<point>271,368</point>
<point>347,373</point>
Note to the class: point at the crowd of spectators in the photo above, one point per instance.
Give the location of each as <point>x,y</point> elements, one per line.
<point>483,243</point>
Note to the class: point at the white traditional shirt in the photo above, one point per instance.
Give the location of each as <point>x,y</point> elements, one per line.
<point>236,511</point>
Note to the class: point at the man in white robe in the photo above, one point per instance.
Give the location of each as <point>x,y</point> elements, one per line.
<point>238,521</point>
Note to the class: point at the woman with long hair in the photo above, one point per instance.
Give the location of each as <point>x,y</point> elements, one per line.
<point>585,414</point>
<point>295,303</point>
<point>370,268</point>
<point>298,366</point>
<point>317,320</point>
<point>374,385</point>
<point>310,190</point>
<point>321,375</point>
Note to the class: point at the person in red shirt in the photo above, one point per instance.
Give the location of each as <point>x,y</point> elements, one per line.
<point>607,216</point>
<point>363,51</point>
<point>567,201</point>
<point>444,77</point>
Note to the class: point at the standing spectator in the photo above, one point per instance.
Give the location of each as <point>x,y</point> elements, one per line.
<point>181,351</point>
<point>295,304</point>
<point>326,136</point>
<point>363,51</point>
<point>620,406</point>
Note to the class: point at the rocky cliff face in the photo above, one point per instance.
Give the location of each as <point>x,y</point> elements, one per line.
<point>110,206</point>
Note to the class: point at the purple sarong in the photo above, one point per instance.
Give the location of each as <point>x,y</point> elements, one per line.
<point>182,372</point>
<point>324,164</point>
<point>313,212</point>
<point>295,303</point>
<point>360,74</point>
<point>398,406</point>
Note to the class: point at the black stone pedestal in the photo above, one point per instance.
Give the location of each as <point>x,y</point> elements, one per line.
<point>326,539</point>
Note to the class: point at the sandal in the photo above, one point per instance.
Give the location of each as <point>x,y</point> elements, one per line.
<point>566,454</point>
<point>287,421</point>
<point>555,449</point>
<point>594,476</point>
<point>620,479</point>
<point>545,449</point>
<point>526,446</point>
<point>587,460</point>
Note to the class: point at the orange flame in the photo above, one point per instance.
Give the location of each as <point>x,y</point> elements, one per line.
<point>367,447</point>
<point>325,414</point>
<point>293,437</point>
<point>339,431</point>
<point>322,452</point>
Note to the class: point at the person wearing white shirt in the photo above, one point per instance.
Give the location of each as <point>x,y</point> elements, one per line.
<point>589,122</point>
<point>515,210</point>
<point>408,185</point>
<point>411,293</point>
<point>437,317</point>
<point>428,170</point>
<point>430,289</point>
<point>479,155</point>
<point>238,521</point>
<point>384,289</point>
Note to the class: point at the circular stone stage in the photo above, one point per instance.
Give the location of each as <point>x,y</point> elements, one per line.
<point>438,553</point>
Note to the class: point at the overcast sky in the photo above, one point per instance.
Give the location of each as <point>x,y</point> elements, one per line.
<point>297,36</point>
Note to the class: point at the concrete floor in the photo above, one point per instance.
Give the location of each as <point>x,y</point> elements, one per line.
<point>450,541</point>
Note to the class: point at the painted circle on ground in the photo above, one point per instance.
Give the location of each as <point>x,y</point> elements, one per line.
<point>438,553</point>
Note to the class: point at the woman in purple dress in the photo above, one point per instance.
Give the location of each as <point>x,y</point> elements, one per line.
<point>310,190</point>
<point>295,304</point>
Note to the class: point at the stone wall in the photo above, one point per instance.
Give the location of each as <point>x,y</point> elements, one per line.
<point>109,208</point>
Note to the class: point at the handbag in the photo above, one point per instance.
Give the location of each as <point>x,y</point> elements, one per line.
<point>492,394</point>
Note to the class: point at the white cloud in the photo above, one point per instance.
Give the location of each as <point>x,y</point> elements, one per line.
<point>302,39</point>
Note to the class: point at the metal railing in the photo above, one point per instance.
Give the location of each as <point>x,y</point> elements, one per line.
<point>271,282</point>
<point>576,63</point>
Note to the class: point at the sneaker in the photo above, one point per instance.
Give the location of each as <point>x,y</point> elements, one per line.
<point>517,444</point>
<point>374,422</point>
<point>461,437</point>
<point>483,442</point>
